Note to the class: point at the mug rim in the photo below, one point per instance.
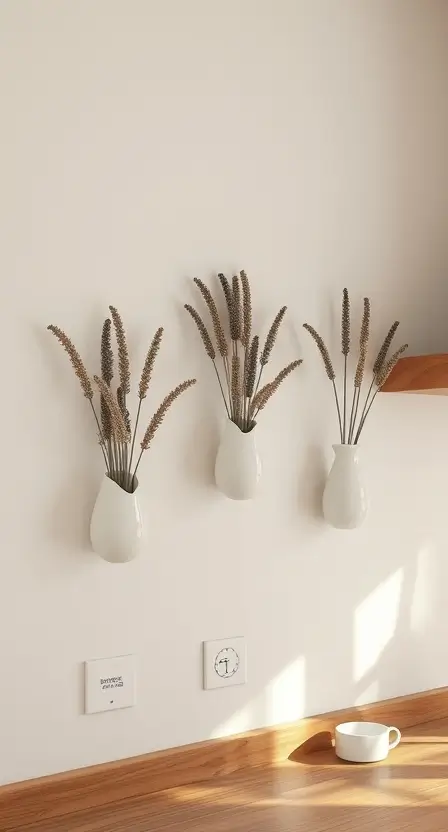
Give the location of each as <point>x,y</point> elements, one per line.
<point>340,729</point>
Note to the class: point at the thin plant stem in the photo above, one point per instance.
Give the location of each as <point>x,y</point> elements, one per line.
<point>254,415</point>
<point>363,420</point>
<point>114,464</point>
<point>351,425</point>
<point>102,441</point>
<point>135,469</point>
<point>225,362</point>
<point>126,454</point>
<point>117,461</point>
<point>222,389</point>
<point>109,454</point>
<point>345,400</point>
<point>133,438</point>
<point>258,383</point>
<point>245,398</point>
<point>122,463</point>
<point>233,404</point>
<point>363,412</point>
<point>356,411</point>
<point>338,408</point>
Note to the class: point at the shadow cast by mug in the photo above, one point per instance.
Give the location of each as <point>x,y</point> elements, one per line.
<point>322,741</point>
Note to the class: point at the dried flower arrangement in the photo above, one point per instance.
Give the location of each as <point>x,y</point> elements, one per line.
<point>350,427</point>
<point>116,438</point>
<point>242,361</point>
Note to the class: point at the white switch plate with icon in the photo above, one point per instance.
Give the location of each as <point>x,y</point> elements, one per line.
<point>224,662</point>
<point>109,684</point>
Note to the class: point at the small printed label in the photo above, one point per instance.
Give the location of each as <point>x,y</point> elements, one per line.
<point>111,682</point>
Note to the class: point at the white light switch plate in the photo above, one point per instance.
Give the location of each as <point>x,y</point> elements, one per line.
<point>224,662</point>
<point>109,684</point>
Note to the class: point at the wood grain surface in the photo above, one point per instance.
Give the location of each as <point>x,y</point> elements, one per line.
<point>95,787</point>
<point>316,793</point>
<point>419,374</point>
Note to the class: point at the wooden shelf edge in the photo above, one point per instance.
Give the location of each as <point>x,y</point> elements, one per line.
<point>426,374</point>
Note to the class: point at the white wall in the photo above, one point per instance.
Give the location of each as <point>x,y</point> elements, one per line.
<point>147,142</point>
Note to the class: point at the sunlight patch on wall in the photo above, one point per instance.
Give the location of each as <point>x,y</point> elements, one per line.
<point>375,621</point>
<point>369,694</point>
<point>285,695</point>
<point>422,597</point>
<point>239,722</point>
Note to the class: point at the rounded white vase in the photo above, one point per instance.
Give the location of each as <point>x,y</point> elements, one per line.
<point>238,465</point>
<point>345,501</point>
<point>116,527</point>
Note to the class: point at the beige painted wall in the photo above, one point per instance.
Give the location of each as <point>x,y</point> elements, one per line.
<point>147,142</point>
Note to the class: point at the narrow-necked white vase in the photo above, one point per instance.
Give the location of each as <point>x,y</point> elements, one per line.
<point>345,501</point>
<point>116,527</point>
<point>238,466</point>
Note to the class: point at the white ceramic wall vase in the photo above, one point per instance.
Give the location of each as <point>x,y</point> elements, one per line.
<point>345,502</point>
<point>238,466</point>
<point>116,527</point>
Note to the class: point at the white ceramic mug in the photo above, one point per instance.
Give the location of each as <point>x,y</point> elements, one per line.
<point>364,742</point>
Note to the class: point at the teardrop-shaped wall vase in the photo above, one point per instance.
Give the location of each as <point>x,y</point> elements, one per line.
<point>116,527</point>
<point>238,466</point>
<point>345,501</point>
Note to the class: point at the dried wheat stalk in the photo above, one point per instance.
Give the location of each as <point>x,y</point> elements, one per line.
<point>107,358</point>
<point>381,369</point>
<point>203,332</point>
<point>107,372</point>
<point>228,298</point>
<point>252,367</point>
<point>240,363</point>
<point>271,337</point>
<point>345,324</point>
<point>345,342</point>
<point>363,344</point>
<point>377,369</point>
<point>380,379</point>
<point>149,363</point>
<point>389,365</point>
<point>124,411</point>
<point>360,367</point>
<point>384,349</point>
<point>82,375</point>
<point>159,416</point>
<point>236,388</point>
<point>123,354</point>
<point>75,359</point>
<point>247,310</point>
<point>263,395</point>
<point>217,325</point>
<point>116,432</point>
<point>118,423</point>
<point>329,369</point>
<point>236,320</point>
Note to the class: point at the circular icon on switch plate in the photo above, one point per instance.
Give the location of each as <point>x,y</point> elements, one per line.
<point>227,662</point>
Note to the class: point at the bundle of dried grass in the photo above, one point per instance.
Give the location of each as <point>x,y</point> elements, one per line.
<point>242,364</point>
<point>350,429</point>
<point>115,432</point>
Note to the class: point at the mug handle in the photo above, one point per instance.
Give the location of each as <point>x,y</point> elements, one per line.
<point>395,742</point>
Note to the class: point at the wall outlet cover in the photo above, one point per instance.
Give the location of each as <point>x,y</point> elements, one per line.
<point>224,662</point>
<point>109,684</point>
